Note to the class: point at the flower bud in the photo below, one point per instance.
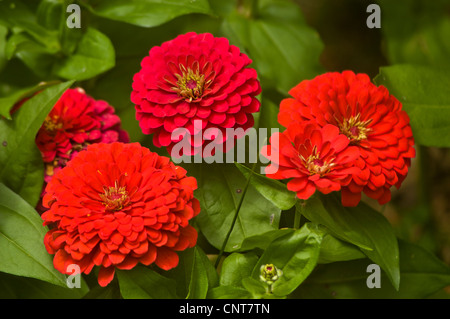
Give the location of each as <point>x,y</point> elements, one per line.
<point>270,273</point>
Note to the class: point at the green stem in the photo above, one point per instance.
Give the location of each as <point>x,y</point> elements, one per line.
<point>297,218</point>
<point>238,208</point>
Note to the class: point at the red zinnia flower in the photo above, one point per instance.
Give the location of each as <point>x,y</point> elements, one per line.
<point>314,157</point>
<point>76,121</point>
<point>369,116</point>
<point>195,77</point>
<point>116,205</point>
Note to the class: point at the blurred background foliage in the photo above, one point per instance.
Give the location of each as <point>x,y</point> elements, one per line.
<point>288,41</point>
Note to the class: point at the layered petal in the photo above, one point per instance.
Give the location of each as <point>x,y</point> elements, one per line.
<point>311,157</point>
<point>116,205</point>
<point>76,121</point>
<point>371,119</point>
<point>195,78</point>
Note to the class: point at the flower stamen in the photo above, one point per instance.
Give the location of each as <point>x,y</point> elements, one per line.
<point>52,123</point>
<point>315,165</point>
<point>115,198</point>
<point>355,129</point>
<point>190,83</point>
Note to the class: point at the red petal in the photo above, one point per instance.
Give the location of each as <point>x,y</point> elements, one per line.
<point>60,261</point>
<point>217,118</point>
<point>128,263</point>
<point>350,199</point>
<point>166,259</point>
<point>150,256</point>
<point>297,184</point>
<point>116,257</point>
<point>307,192</point>
<point>105,276</point>
<point>326,186</point>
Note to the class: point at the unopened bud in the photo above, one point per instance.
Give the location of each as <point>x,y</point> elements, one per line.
<point>270,273</point>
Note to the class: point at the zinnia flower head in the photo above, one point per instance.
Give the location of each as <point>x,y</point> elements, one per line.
<point>369,116</point>
<point>116,205</point>
<point>76,121</point>
<point>313,158</point>
<point>195,77</point>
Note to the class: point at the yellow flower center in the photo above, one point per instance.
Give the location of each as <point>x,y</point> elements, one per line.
<point>52,123</point>
<point>315,165</point>
<point>355,129</point>
<point>49,168</point>
<point>190,83</point>
<point>115,198</point>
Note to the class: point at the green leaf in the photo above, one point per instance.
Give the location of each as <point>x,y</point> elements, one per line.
<point>146,13</point>
<point>111,291</point>
<point>33,54</point>
<point>361,226</point>
<point>17,287</point>
<point>69,38</point>
<point>50,14</point>
<point>202,275</point>
<point>94,55</point>
<point>296,254</point>
<point>339,224</point>
<point>7,102</point>
<point>425,96</point>
<point>236,267</point>
<point>229,292</point>
<point>422,274</point>
<point>220,188</point>
<point>333,249</point>
<point>284,52</point>
<point>254,287</point>
<point>271,189</point>
<point>145,283</point>
<point>416,32</point>
<point>15,14</point>
<point>21,167</point>
<point>263,240</point>
<point>22,240</point>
